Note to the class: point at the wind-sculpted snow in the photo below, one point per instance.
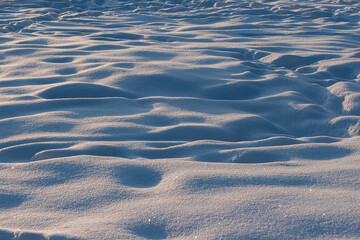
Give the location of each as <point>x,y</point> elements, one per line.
<point>179,119</point>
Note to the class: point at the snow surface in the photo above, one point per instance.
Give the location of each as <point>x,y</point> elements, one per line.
<point>179,119</point>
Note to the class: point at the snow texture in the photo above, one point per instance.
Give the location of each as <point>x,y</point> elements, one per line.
<point>179,119</point>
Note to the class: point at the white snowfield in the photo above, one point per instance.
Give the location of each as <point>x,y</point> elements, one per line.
<point>179,119</point>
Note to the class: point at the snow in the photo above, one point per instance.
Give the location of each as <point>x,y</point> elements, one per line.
<point>179,119</point>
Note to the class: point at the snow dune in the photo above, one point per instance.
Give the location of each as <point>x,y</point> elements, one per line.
<point>179,119</point>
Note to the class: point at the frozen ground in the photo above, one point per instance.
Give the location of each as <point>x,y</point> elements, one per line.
<point>179,119</point>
